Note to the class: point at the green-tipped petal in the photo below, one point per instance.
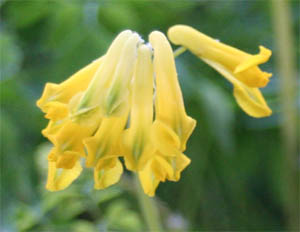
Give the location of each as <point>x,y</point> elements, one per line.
<point>106,141</point>
<point>56,111</point>
<point>59,179</point>
<point>66,90</point>
<point>106,177</point>
<point>109,89</point>
<point>148,180</point>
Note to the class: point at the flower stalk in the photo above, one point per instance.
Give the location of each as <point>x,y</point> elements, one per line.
<point>288,84</point>
<point>179,51</point>
<point>148,207</point>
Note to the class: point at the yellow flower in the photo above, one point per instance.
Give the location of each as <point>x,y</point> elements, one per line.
<point>172,127</point>
<point>109,89</point>
<point>171,122</point>
<point>57,100</point>
<point>105,142</point>
<point>136,139</point>
<point>63,92</point>
<point>74,116</point>
<point>109,92</point>
<point>106,111</point>
<point>67,135</point>
<point>103,151</point>
<point>64,158</point>
<point>238,67</point>
<point>161,168</point>
<point>109,109</point>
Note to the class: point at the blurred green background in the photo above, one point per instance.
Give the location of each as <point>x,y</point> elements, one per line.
<point>244,173</point>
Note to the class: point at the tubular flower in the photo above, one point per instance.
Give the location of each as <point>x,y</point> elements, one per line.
<point>103,151</point>
<point>172,127</point>
<point>109,89</point>
<point>171,122</point>
<point>136,139</point>
<point>238,67</point>
<point>57,101</point>
<point>56,95</point>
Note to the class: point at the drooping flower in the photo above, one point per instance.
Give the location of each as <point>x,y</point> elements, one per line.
<point>57,99</point>
<point>106,111</point>
<point>238,67</point>
<point>171,122</point>
<point>137,145</point>
<point>109,88</point>
<point>103,150</point>
<point>55,95</point>
<point>109,94</point>
<point>128,104</point>
<point>172,127</point>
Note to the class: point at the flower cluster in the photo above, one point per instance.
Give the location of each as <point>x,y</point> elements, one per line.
<point>109,109</point>
<point>128,103</point>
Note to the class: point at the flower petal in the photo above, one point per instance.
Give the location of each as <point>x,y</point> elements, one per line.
<point>249,99</point>
<point>106,177</point>
<point>148,180</point>
<point>109,88</point>
<point>165,139</point>
<point>59,179</point>
<point>63,92</point>
<point>52,128</point>
<point>117,96</point>
<point>105,143</point>
<point>70,136</point>
<point>169,167</point>
<point>56,110</point>
<point>263,56</point>
<point>161,168</point>
<point>67,160</point>
<point>178,163</point>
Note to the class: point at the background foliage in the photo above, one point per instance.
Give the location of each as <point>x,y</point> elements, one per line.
<point>236,178</point>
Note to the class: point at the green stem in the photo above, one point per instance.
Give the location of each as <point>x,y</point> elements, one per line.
<point>179,51</point>
<point>288,84</point>
<point>148,207</point>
